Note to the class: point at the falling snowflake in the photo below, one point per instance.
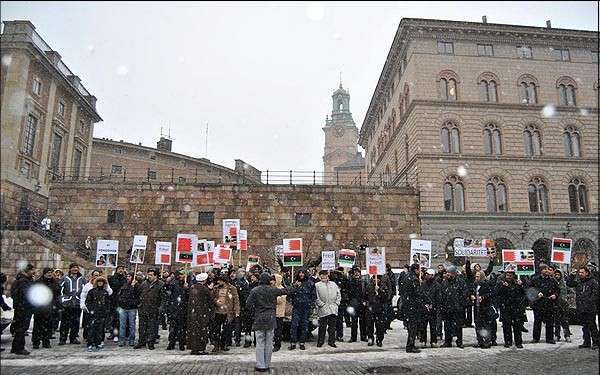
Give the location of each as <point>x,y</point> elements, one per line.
<point>461,171</point>
<point>549,110</point>
<point>39,295</point>
<point>6,60</point>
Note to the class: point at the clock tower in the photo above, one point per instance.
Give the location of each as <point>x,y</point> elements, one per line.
<point>341,156</point>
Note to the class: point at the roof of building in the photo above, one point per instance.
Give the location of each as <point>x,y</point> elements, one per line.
<point>357,162</point>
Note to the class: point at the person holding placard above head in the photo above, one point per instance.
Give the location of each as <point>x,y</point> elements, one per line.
<point>375,297</point>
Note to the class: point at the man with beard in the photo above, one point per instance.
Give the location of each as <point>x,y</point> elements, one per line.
<point>454,299</point>
<point>42,316</point>
<point>303,300</point>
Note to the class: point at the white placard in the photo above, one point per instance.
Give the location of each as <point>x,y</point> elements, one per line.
<point>420,245</point>
<point>231,232</point>
<point>375,260</point>
<point>420,253</point>
<point>139,241</point>
<point>162,254</point>
<point>328,260</point>
<point>107,253</point>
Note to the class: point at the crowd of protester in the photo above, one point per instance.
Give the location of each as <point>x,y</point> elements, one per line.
<point>230,307</point>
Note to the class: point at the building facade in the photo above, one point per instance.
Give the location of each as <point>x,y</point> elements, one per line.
<point>342,162</point>
<point>496,127</point>
<point>47,121</point>
<point>123,161</point>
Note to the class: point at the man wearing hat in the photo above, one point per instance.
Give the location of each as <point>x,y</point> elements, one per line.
<point>512,300</point>
<point>454,299</point>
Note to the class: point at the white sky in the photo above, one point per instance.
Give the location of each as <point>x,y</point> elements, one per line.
<point>261,74</point>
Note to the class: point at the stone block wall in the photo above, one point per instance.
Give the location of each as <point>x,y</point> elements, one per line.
<point>341,217</point>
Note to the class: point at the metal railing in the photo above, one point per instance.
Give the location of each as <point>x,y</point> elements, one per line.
<point>186,176</point>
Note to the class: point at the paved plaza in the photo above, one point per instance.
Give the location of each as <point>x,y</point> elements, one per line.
<point>348,358</point>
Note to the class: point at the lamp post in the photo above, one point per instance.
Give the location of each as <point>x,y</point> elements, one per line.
<point>524,231</point>
<point>568,230</point>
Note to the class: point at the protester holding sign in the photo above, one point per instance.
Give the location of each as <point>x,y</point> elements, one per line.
<point>303,300</point>
<point>545,303</point>
<point>375,298</point>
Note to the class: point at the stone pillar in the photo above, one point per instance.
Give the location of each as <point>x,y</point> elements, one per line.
<point>47,139</point>
<point>71,138</point>
<point>88,156</point>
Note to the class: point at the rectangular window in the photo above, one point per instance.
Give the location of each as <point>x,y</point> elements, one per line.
<point>181,180</point>
<point>524,52</point>
<point>25,169</point>
<point>485,50</point>
<point>37,86</point>
<point>303,219</point>
<point>595,57</point>
<point>61,108</point>
<point>446,48</point>
<point>116,169</point>
<point>29,135</point>
<point>562,54</point>
<point>115,217</point>
<point>206,218</point>
<point>151,175</point>
<point>76,163</point>
<point>55,157</point>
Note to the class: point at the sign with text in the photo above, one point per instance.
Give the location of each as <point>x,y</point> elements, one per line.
<point>519,261</point>
<point>162,253</point>
<point>561,250</point>
<point>187,244</point>
<point>328,260</point>
<point>420,252</point>
<point>375,260</point>
<point>243,241</point>
<point>107,252</point>
<point>231,231</point>
<point>139,242</point>
<point>469,247</point>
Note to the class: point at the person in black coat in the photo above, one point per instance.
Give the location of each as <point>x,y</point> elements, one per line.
<point>97,302</point>
<point>176,293</point>
<point>263,301</point>
<point>512,302</point>
<point>482,295</point>
<point>244,321</point>
<point>23,308</point>
<point>341,281</point>
<point>127,303</point>
<point>356,291</point>
<point>148,310</point>
<point>430,290</point>
<point>116,282</point>
<point>42,315</point>
<point>392,282</point>
<point>453,300</point>
<point>413,305</point>
<point>545,303</point>
<point>303,300</point>
<point>375,297</point>
<point>586,300</point>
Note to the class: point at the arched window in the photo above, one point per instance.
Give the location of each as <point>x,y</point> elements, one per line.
<point>571,141</point>
<point>447,88</point>
<point>454,194</point>
<point>450,138</point>
<point>528,89</point>
<point>566,91</point>
<point>577,196</point>
<point>492,141</point>
<point>533,141</point>
<point>488,91</point>
<point>495,192</point>
<point>538,195</point>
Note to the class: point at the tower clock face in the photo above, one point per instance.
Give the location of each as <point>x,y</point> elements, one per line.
<point>339,132</point>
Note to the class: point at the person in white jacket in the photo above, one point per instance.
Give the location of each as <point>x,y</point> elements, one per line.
<point>328,301</point>
<point>86,288</point>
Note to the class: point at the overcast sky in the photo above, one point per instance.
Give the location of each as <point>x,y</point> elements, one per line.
<point>260,74</point>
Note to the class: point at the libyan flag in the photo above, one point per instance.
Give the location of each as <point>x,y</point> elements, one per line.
<point>525,269</point>
<point>346,258</point>
<point>292,258</point>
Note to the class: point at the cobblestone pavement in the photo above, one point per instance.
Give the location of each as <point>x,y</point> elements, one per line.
<point>348,358</point>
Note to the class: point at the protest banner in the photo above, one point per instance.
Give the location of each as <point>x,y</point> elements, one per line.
<point>420,252</point>
<point>231,230</point>
<point>107,252</point>
<point>243,241</point>
<point>252,261</point>
<point>187,244</point>
<point>522,262</point>
<point>347,258</point>
<point>328,260</point>
<point>561,250</point>
<point>139,241</point>
<point>138,249</point>
<point>375,260</point>
<point>222,254</point>
<point>162,253</point>
<point>204,258</point>
<point>469,247</point>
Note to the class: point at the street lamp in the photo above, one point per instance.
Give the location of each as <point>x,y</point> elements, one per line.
<point>524,231</point>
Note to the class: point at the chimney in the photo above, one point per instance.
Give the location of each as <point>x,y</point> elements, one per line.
<point>164,144</point>
<point>548,24</point>
<point>484,19</point>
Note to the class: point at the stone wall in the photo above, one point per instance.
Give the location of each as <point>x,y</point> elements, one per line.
<point>11,197</point>
<point>340,216</point>
<point>22,247</point>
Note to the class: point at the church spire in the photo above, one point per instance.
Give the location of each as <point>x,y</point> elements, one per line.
<point>341,80</point>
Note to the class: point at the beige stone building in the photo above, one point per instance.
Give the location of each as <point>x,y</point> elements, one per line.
<point>47,120</point>
<point>124,161</point>
<point>496,127</point>
<point>342,162</point>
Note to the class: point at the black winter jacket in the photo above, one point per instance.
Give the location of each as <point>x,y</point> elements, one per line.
<point>454,295</point>
<point>128,297</point>
<point>18,292</point>
<point>586,294</point>
<point>98,302</point>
